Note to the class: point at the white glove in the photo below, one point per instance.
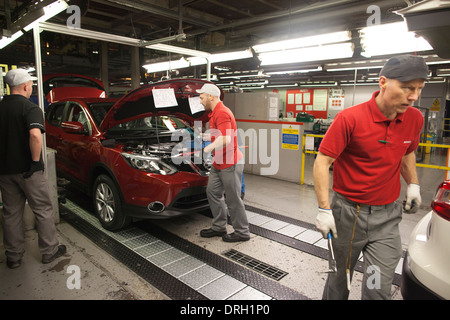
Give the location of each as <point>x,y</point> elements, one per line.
<point>413,198</point>
<point>325,222</point>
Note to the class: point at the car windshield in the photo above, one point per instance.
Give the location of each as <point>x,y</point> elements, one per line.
<point>99,110</point>
<point>148,125</point>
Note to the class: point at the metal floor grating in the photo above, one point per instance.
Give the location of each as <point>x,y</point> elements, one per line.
<point>189,272</point>
<point>256,265</point>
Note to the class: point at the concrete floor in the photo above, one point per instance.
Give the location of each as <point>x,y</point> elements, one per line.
<point>104,278</point>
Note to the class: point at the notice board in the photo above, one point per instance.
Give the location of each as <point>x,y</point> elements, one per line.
<point>312,101</point>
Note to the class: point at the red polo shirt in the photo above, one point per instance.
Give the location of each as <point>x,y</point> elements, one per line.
<point>366,169</point>
<point>223,123</point>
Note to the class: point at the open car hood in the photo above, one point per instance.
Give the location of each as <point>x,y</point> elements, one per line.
<point>145,102</point>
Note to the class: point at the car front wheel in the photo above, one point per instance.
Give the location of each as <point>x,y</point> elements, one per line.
<point>107,204</point>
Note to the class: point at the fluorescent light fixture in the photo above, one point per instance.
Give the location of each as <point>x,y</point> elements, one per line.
<point>167,65</point>
<point>196,60</point>
<point>252,83</point>
<point>443,72</point>
<point>5,41</point>
<point>295,71</point>
<point>391,38</point>
<point>282,85</point>
<point>225,84</point>
<point>356,65</point>
<point>326,52</point>
<point>318,40</point>
<point>50,11</point>
<point>312,85</point>
<point>243,74</point>
<point>229,56</point>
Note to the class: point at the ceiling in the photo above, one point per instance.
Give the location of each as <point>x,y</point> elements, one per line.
<point>209,25</point>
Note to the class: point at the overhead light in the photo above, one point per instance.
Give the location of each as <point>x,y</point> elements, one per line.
<point>325,52</point>
<point>295,71</point>
<point>242,74</point>
<point>221,57</point>
<point>50,11</point>
<point>177,37</point>
<point>282,85</point>
<point>166,65</point>
<point>313,85</point>
<point>252,83</point>
<point>196,60</point>
<point>36,15</point>
<point>5,41</point>
<point>391,38</point>
<point>318,40</point>
<point>443,72</point>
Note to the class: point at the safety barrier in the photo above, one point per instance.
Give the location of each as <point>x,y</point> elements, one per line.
<point>425,145</point>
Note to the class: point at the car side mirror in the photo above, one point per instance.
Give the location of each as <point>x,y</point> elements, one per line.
<point>73,127</point>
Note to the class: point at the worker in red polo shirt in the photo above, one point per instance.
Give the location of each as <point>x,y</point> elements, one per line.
<point>370,146</point>
<point>226,173</point>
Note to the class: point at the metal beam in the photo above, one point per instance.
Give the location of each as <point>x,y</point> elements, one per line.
<point>52,27</point>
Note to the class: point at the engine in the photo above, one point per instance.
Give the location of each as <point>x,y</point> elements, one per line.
<point>174,154</point>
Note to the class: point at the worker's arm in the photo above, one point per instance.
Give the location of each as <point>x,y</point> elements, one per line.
<point>408,169</point>
<point>321,173</point>
<point>219,143</point>
<point>35,144</point>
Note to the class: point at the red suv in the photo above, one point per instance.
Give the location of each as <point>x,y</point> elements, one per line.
<point>133,155</point>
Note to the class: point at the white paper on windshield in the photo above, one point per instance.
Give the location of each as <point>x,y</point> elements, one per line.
<point>195,105</point>
<point>164,98</point>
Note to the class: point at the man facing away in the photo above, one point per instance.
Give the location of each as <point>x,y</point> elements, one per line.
<point>22,175</point>
<point>226,173</point>
<point>371,145</point>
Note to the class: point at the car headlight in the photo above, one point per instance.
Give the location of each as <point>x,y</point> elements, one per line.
<point>148,164</point>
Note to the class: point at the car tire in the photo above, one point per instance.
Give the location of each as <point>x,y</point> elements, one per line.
<point>107,204</point>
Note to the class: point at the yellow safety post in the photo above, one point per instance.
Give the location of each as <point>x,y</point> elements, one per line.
<point>304,152</point>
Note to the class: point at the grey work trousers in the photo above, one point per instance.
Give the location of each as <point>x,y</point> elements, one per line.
<point>229,182</point>
<point>15,191</point>
<point>377,236</point>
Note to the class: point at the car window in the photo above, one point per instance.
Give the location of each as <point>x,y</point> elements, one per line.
<point>76,113</point>
<point>55,114</point>
<point>99,111</point>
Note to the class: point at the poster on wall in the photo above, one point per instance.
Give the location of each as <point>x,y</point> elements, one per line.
<point>312,101</point>
<point>320,99</point>
<point>336,99</point>
<point>290,137</point>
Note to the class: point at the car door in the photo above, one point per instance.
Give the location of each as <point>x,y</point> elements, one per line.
<point>75,148</point>
<point>53,131</point>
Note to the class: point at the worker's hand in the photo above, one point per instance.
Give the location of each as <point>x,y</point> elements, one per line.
<point>413,198</point>
<point>325,222</point>
<point>34,166</point>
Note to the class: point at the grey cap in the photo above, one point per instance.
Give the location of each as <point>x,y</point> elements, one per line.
<point>16,77</point>
<point>405,68</point>
<point>211,89</point>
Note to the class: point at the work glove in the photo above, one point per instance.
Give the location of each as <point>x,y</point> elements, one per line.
<point>413,198</point>
<point>325,222</point>
<point>34,166</point>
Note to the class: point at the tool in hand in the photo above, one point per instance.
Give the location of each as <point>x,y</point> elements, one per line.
<point>331,260</point>
<point>413,208</point>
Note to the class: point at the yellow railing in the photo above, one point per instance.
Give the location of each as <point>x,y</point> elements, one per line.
<point>304,152</point>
